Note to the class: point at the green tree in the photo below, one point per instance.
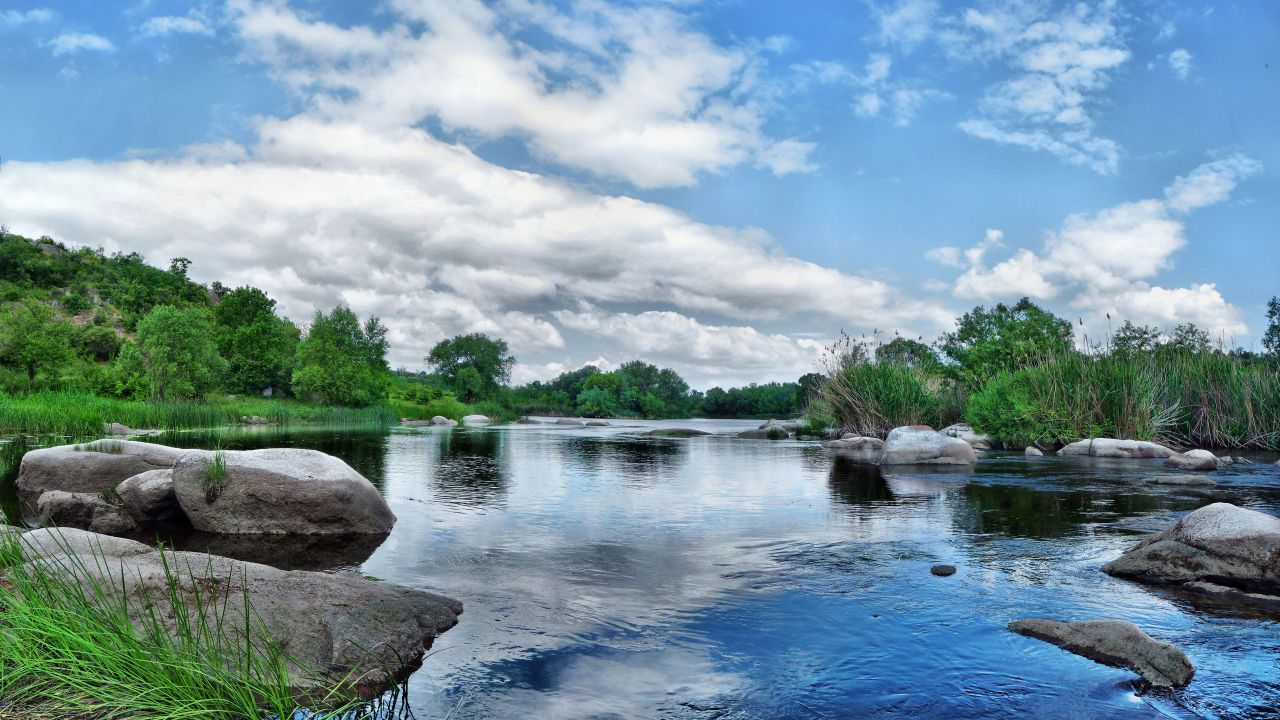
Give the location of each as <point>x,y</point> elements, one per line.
<point>489,359</point>
<point>341,362</point>
<point>1135,339</point>
<point>1271,339</point>
<point>177,349</point>
<point>906,350</point>
<point>1189,338</point>
<point>258,345</point>
<point>31,338</point>
<point>597,402</point>
<point>987,342</point>
<point>98,342</point>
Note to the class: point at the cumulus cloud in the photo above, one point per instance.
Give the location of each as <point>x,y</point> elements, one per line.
<point>38,15</point>
<point>629,92</point>
<point>1103,263</point>
<point>160,26</point>
<point>71,43</point>
<point>1180,63</point>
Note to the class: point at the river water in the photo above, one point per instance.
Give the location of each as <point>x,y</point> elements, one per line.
<point>608,574</point>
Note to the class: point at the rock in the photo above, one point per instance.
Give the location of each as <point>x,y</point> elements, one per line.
<point>93,467</point>
<point>1219,543</point>
<point>1179,480</point>
<point>442,420</point>
<point>1193,460</point>
<point>849,436</point>
<point>1111,448</point>
<point>84,511</point>
<point>1032,451</point>
<point>598,423</point>
<point>321,621</point>
<point>258,420</point>
<point>528,421</point>
<point>677,432</point>
<point>149,497</point>
<point>966,433</point>
<point>1230,594</point>
<point>862,449</point>
<point>920,445</point>
<point>280,491</point>
<point>943,570</point>
<point>1118,643</point>
<point>788,425</point>
<point>476,420</point>
<point>568,421</point>
<point>116,429</point>
<point>415,423</point>
<point>768,432</point>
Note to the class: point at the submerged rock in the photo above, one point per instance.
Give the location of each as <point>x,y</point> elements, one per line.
<point>321,621</point>
<point>1032,451</point>
<point>149,497</point>
<point>1193,460</point>
<point>967,434</point>
<point>1112,448</point>
<point>677,432</point>
<point>768,432</point>
<point>1180,480</point>
<point>476,420</point>
<point>278,491</point>
<point>1118,643</point>
<point>83,511</point>
<point>91,467</point>
<point>921,445</point>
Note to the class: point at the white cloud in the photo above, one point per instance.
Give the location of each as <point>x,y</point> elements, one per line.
<point>1180,63</point>
<point>166,25</point>
<point>38,15</point>
<point>70,43</point>
<point>1210,183</point>
<point>630,92</point>
<point>908,23</point>
<point>876,92</point>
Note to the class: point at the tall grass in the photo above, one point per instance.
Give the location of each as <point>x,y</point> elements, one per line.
<point>871,398</point>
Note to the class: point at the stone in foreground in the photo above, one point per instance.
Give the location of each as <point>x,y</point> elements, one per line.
<point>1112,448</point>
<point>83,511</point>
<point>1195,460</point>
<point>1118,643</point>
<point>149,497</point>
<point>320,620</point>
<point>768,432</point>
<point>920,445</point>
<point>1219,543</point>
<point>91,467</point>
<point>280,491</point>
<point>966,433</point>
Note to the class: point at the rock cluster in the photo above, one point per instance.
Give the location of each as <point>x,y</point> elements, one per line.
<point>1112,448</point>
<point>1193,460</point>
<point>912,445</point>
<point>254,420</point>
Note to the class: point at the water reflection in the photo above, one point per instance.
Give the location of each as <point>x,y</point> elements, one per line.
<point>633,459</point>
<point>469,468</point>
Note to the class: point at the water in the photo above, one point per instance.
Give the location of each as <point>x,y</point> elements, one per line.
<point>611,575</point>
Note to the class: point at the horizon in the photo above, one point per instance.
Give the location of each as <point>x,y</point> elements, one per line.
<point>717,189</point>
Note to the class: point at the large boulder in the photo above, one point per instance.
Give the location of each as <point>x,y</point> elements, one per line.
<point>966,433</point>
<point>337,625</point>
<point>853,447</point>
<point>476,420</point>
<point>1193,460</point>
<point>768,432</point>
<point>278,491</point>
<point>1112,448</point>
<point>1219,543</point>
<point>1032,451</point>
<point>83,511</point>
<point>92,467</point>
<point>921,445</point>
<point>1118,643</point>
<point>149,497</point>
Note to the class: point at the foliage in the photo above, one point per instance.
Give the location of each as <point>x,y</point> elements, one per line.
<point>341,362</point>
<point>597,402</point>
<point>906,351</point>
<point>177,349</point>
<point>1271,339</point>
<point>1003,339</point>
<point>1132,338</point>
<point>30,338</point>
<point>474,365</point>
<point>768,400</point>
<point>635,389</point>
<point>258,346</point>
<point>871,398</point>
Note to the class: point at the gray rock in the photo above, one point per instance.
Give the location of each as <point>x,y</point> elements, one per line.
<point>849,436</point>
<point>1112,448</point>
<point>1218,543</point>
<point>83,511</point>
<point>149,497</point>
<point>966,433</point>
<point>921,445</point>
<point>117,429</point>
<point>476,420</point>
<point>415,423</point>
<point>678,432</point>
<point>322,621</point>
<point>1179,480</point>
<point>1199,460</point>
<point>442,420</point>
<point>861,449</point>
<point>943,570</point>
<point>1118,643</point>
<point>280,491</point>
<point>94,467</point>
<point>768,432</point>
<point>1032,451</point>
<point>598,423</point>
<point>568,421</point>
<point>1230,594</point>
<point>789,425</point>
<point>528,421</point>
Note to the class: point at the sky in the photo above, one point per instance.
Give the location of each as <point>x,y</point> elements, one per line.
<point>718,187</point>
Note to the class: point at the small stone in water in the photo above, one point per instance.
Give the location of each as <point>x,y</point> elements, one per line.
<point>943,570</point>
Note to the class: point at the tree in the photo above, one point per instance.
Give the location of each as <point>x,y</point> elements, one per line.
<point>1189,338</point>
<point>258,346</point>
<point>987,342</point>
<point>1135,339</point>
<point>1271,339</point>
<point>906,351</point>
<point>489,359</point>
<point>32,339</point>
<point>177,349</point>
<point>341,362</point>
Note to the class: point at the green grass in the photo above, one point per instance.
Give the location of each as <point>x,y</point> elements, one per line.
<point>213,478</point>
<point>872,398</point>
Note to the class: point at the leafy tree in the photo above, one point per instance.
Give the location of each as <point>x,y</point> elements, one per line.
<point>597,402</point>
<point>906,350</point>
<point>1004,338</point>
<point>342,362</point>
<point>98,342</point>
<point>1271,339</point>
<point>177,349</point>
<point>488,359</point>
<point>1135,339</point>
<point>258,345</point>
<point>1189,338</point>
<point>32,339</point>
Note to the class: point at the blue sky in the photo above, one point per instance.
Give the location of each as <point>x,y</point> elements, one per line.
<point>719,186</point>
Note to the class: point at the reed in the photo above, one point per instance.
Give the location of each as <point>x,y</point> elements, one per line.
<point>871,398</point>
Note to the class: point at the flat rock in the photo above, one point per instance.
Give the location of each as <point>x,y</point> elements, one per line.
<point>321,621</point>
<point>91,467</point>
<point>1219,543</point>
<point>1198,460</point>
<point>528,421</point>
<point>677,432</point>
<point>1112,448</point>
<point>1032,451</point>
<point>962,430</point>
<point>83,511</point>
<point>476,420</point>
<point>768,432</point>
<point>280,491</point>
<point>597,423</point>
<point>1118,643</point>
<point>149,497</point>
<point>919,445</point>
<point>1179,480</point>
<point>568,421</point>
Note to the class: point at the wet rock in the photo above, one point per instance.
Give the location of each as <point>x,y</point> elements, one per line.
<point>598,423</point>
<point>966,433</point>
<point>861,449</point>
<point>149,497</point>
<point>1196,460</point>
<point>279,491</point>
<point>1219,543</point>
<point>943,570</point>
<point>1112,448</point>
<point>322,621</point>
<point>768,432</point>
<point>476,420</point>
<point>286,552</point>
<point>442,420</point>
<point>568,421</point>
<point>1180,480</point>
<point>1118,643</point>
<point>1230,594</point>
<point>677,432</point>
<point>83,511</point>
<point>92,467</point>
<point>919,445</point>
<point>1032,451</point>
